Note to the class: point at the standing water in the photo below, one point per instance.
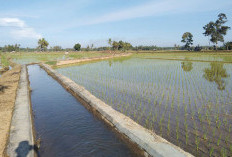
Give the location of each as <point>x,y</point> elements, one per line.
<point>65,127</point>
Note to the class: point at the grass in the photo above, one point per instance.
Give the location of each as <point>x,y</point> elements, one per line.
<point>161,94</point>
<point>4,61</point>
<point>30,57</point>
<point>51,62</point>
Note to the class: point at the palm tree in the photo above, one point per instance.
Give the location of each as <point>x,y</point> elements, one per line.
<point>110,43</point>
<point>43,44</point>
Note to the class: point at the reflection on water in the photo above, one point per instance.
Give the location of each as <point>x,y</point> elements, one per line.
<point>170,97</point>
<point>216,73</point>
<point>187,66</point>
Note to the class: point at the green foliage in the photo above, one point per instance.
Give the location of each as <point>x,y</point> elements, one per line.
<point>228,46</point>
<point>187,38</point>
<point>43,44</point>
<point>77,47</point>
<point>4,61</point>
<point>110,42</point>
<point>115,45</point>
<point>10,48</point>
<point>146,48</point>
<point>57,48</point>
<point>216,30</point>
<point>187,66</point>
<point>51,62</point>
<point>124,46</point>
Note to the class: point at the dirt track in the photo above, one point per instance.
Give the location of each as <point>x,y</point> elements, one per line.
<point>64,62</point>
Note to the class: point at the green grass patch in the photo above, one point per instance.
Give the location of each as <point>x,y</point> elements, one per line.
<point>51,62</point>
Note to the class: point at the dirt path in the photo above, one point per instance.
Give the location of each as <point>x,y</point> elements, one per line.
<point>64,62</point>
<point>8,88</point>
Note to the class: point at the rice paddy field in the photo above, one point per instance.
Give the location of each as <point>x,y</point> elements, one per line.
<point>28,57</point>
<point>184,98</point>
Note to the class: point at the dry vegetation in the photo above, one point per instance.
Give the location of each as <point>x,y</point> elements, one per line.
<point>8,87</point>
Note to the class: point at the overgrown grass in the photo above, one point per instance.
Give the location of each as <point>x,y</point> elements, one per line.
<point>4,61</point>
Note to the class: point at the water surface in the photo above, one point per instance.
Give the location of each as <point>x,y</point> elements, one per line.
<point>188,103</point>
<point>65,127</point>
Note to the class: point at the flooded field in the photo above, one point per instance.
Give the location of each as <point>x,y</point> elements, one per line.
<point>189,103</point>
<point>64,126</point>
<point>26,58</point>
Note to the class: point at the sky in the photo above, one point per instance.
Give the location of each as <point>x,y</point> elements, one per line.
<point>140,22</point>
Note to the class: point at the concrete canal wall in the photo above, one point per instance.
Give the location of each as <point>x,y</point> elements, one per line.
<point>21,141</point>
<point>147,141</point>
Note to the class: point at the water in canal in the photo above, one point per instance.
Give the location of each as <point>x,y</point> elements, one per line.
<point>65,126</point>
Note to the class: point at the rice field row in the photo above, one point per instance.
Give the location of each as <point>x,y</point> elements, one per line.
<point>187,103</point>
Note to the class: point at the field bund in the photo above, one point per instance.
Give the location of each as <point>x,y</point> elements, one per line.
<point>147,141</point>
<point>65,62</point>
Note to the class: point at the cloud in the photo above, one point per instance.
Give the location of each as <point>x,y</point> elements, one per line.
<point>26,33</point>
<point>144,10</point>
<point>18,28</point>
<point>154,8</point>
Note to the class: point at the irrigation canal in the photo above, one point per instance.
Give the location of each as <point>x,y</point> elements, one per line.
<point>64,126</point>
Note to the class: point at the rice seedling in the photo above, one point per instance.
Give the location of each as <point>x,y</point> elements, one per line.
<point>197,142</point>
<point>211,151</point>
<point>219,140</point>
<point>223,152</point>
<point>155,94</point>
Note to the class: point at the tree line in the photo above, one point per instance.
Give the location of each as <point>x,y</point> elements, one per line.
<point>214,30</point>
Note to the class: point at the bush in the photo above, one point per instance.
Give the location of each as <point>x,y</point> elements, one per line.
<point>198,48</point>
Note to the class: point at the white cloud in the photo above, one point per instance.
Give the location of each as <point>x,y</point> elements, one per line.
<point>11,22</point>
<point>155,8</point>
<point>26,33</point>
<point>144,10</point>
<point>18,28</point>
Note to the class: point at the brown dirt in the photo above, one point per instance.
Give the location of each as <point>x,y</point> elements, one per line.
<point>8,87</point>
<point>59,63</point>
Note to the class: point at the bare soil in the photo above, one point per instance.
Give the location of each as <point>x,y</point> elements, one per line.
<point>63,62</point>
<point>8,87</point>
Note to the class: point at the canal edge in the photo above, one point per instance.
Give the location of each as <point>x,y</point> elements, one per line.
<point>146,140</point>
<point>21,138</point>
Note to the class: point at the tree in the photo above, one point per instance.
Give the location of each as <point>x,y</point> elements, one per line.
<point>77,47</point>
<point>127,46</point>
<point>175,46</point>
<point>92,45</point>
<point>228,45</point>
<point>57,48</point>
<point>43,44</point>
<point>11,48</point>
<point>120,45</point>
<point>187,38</point>
<point>110,43</point>
<point>87,48</point>
<point>216,30</point>
<point>115,45</point>
<point>197,48</point>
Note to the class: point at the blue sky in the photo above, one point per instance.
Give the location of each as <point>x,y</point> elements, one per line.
<point>141,22</point>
